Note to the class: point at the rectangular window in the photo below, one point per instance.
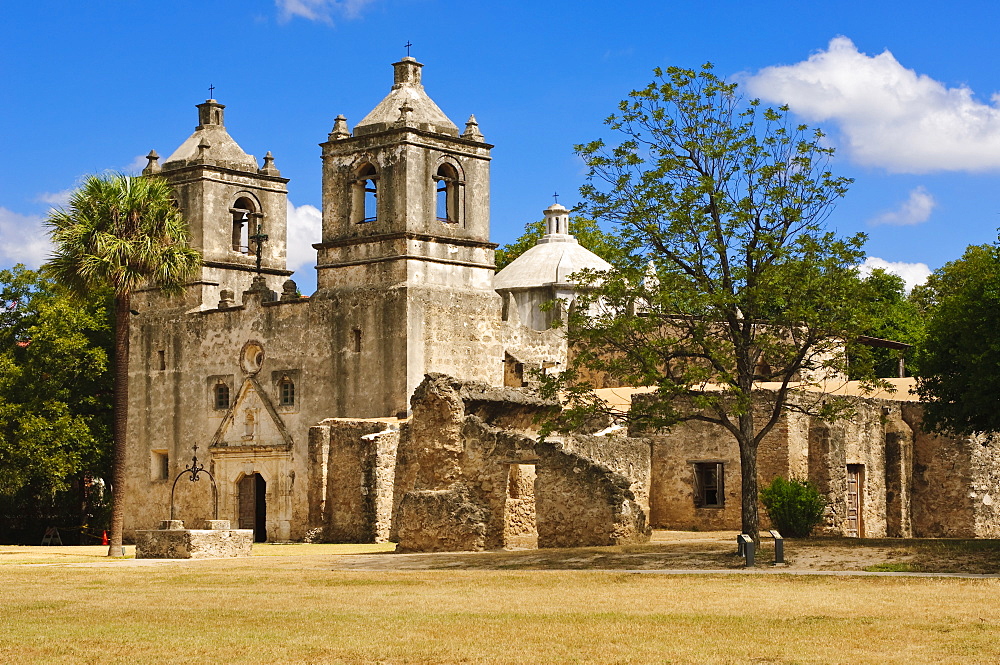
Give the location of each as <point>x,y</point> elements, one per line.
<point>357,340</point>
<point>162,356</point>
<point>286,390</point>
<point>709,491</point>
<point>160,465</point>
<point>221,396</point>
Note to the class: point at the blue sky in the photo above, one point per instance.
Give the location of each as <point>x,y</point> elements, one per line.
<point>904,90</point>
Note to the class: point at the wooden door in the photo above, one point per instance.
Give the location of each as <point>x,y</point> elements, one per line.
<point>855,500</point>
<point>252,491</point>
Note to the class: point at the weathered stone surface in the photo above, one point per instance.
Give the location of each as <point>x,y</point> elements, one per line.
<point>501,485</point>
<point>441,521</point>
<point>192,543</point>
<point>581,503</point>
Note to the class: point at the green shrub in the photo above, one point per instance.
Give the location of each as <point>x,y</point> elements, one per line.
<point>794,506</point>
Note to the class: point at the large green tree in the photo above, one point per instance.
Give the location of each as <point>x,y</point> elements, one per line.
<point>959,358</point>
<point>55,401</point>
<point>728,200</point>
<point>120,233</point>
<point>892,315</point>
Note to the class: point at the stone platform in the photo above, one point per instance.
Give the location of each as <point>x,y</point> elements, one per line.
<point>173,541</point>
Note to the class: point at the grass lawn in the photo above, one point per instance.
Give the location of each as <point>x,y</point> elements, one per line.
<point>287,604</point>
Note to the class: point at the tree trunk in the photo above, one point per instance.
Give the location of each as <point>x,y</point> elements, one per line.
<point>748,473</point>
<point>120,423</point>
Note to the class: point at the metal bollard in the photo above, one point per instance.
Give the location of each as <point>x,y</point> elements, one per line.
<point>779,547</point>
<point>746,548</point>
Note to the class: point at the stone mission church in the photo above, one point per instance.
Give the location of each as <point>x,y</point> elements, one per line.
<point>301,406</point>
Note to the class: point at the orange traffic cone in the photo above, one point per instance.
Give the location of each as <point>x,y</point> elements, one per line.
<point>104,539</point>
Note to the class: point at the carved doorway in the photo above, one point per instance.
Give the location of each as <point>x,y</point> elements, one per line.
<point>855,500</point>
<point>253,506</point>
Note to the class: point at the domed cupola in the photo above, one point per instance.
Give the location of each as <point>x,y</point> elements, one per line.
<point>543,272</point>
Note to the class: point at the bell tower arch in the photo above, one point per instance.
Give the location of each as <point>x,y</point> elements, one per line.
<point>405,251</point>
<point>227,198</point>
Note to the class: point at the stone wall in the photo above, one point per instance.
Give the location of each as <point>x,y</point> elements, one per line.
<point>463,475</point>
<point>955,481</point>
<point>581,503</point>
<point>358,459</point>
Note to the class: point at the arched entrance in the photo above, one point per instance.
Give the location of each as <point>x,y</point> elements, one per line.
<point>253,506</point>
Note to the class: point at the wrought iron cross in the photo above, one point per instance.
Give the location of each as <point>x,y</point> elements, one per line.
<point>211,91</point>
<point>259,239</point>
<point>555,195</point>
<point>407,45</point>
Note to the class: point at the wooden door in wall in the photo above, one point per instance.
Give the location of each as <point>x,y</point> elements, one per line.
<point>253,506</point>
<point>855,500</point>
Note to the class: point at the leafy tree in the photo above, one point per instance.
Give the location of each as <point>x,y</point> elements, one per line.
<point>892,315</point>
<point>55,396</point>
<point>960,356</point>
<point>728,201</point>
<point>794,506</point>
<point>120,233</point>
<point>606,245</point>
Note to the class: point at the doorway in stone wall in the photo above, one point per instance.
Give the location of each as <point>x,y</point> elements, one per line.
<point>855,500</point>
<point>520,529</point>
<point>253,506</point>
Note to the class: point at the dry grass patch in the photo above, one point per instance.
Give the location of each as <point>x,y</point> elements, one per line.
<point>294,609</point>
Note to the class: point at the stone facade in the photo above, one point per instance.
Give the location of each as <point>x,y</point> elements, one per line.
<point>336,417</point>
<point>881,474</point>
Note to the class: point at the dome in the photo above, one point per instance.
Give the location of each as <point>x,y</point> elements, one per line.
<point>551,261</point>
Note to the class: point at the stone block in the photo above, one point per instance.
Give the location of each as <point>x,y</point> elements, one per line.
<point>180,543</point>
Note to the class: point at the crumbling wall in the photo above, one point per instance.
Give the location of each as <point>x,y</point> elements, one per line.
<point>455,489</point>
<point>356,477</point>
<point>629,456</point>
<point>955,483</point>
<point>898,474</point>
<point>582,503</point>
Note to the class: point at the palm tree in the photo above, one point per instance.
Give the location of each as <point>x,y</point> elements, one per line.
<point>123,233</point>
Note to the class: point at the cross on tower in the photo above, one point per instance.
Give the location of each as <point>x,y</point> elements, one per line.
<point>259,239</point>
<point>211,91</point>
<point>555,195</point>
<point>407,45</point>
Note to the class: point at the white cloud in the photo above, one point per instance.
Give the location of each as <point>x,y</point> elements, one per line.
<point>320,10</point>
<point>22,239</point>
<point>305,226</point>
<point>914,210</point>
<point>137,164</point>
<point>889,116</point>
<point>912,273</point>
<point>55,199</point>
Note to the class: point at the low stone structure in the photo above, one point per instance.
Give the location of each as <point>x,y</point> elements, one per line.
<point>469,474</point>
<point>173,541</point>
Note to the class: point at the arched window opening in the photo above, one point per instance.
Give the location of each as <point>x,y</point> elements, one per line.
<point>221,396</point>
<point>286,392</point>
<point>366,195</point>
<point>447,194</point>
<point>245,217</point>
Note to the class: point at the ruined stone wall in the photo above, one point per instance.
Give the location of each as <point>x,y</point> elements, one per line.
<point>358,471</point>
<point>622,454</point>
<point>455,488</point>
<point>955,481</point>
<point>580,503</point>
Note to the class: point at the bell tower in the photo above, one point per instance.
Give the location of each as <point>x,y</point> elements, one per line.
<point>230,203</point>
<point>405,253</point>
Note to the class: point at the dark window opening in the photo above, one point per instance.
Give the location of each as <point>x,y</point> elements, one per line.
<point>162,356</point>
<point>286,392</point>
<point>366,196</point>
<point>221,396</point>
<point>446,203</point>
<point>161,465</point>
<point>357,340</point>
<point>244,214</point>
<point>708,485</point>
